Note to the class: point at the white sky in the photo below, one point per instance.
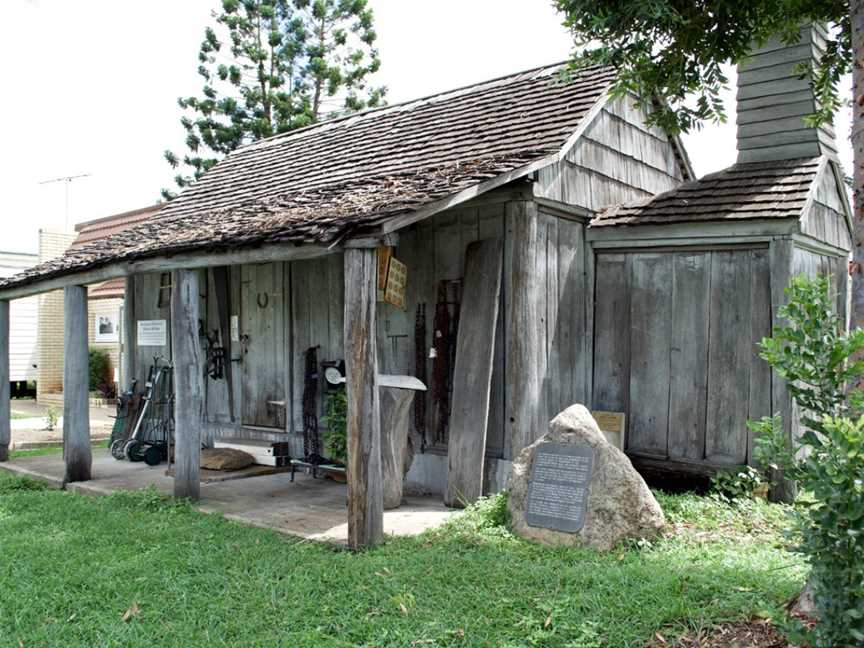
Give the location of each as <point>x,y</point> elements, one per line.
<point>91,87</point>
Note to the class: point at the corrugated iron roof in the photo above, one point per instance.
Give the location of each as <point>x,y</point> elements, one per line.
<point>326,181</point>
<point>776,189</point>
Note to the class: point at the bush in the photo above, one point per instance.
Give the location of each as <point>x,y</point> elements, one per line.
<point>101,374</point>
<point>335,437</point>
<point>821,363</point>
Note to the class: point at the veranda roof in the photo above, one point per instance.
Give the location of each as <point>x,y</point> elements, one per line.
<point>329,181</point>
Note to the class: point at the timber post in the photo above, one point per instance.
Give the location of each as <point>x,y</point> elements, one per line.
<point>365,487</point>
<point>5,405</point>
<point>127,360</point>
<point>526,419</point>
<point>188,387</point>
<point>76,386</point>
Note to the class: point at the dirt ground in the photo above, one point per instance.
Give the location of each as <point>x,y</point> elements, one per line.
<point>755,633</point>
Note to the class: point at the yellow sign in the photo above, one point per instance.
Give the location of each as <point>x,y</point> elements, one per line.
<point>384,256</point>
<point>611,424</point>
<point>397,278</point>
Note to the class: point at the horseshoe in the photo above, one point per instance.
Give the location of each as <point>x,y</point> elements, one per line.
<point>263,302</point>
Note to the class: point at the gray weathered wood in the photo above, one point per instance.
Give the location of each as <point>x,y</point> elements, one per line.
<point>262,254</point>
<point>760,327</point>
<point>611,364</point>
<point>650,336</point>
<point>729,358</point>
<point>491,225</point>
<point>188,383</point>
<point>5,404</point>
<point>264,353</point>
<point>688,390</point>
<point>395,416</point>
<point>76,381</point>
<point>524,346</point>
<point>127,360</point>
<point>472,376</point>
<point>365,488</point>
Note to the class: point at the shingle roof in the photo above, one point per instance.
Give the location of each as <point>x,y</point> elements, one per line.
<point>101,228</point>
<point>776,189</point>
<point>324,182</point>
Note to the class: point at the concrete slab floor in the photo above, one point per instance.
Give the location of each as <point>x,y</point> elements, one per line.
<point>310,508</point>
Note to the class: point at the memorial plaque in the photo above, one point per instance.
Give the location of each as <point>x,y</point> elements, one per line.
<point>558,491</point>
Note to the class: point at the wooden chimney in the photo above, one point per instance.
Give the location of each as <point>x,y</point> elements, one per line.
<point>774,97</point>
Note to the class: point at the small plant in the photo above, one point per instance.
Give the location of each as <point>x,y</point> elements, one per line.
<point>336,419</point>
<point>745,482</point>
<point>52,416</point>
<point>822,365</point>
<point>101,378</point>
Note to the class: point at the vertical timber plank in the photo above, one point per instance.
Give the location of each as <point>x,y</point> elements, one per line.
<point>5,404</point>
<point>760,327</point>
<point>76,380</point>
<point>611,354</point>
<point>188,383</point>
<point>129,330</point>
<point>728,359</point>
<point>650,336</point>
<point>472,376</point>
<point>365,488</point>
<point>492,227</point>
<point>781,259</point>
<point>688,391</point>
<point>524,346</point>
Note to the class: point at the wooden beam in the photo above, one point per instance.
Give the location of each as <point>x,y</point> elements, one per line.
<point>365,487</point>
<point>127,361</point>
<point>472,376</point>
<point>5,405</point>
<point>76,386</point>
<point>525,354</point>
<point>188,383</point>
<point>780,259</point>
<point>186,261</point>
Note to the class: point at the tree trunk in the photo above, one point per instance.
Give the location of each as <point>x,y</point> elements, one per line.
<point>857,138</point>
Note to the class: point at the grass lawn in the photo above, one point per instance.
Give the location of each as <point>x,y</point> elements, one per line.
<point>139,570</point>
<point>20,415</point>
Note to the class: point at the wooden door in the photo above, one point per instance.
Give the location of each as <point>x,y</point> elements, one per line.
<point>262,345</point>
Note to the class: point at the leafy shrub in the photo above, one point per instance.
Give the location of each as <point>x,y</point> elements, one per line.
<point>745,482</point>
<point>52,416</point>
<point>335,437</point>
<point>101,376</point>
<point>821,362</point>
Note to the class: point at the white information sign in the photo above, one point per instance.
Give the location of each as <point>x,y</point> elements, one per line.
<point>235,328</point>
<point>152,333</point>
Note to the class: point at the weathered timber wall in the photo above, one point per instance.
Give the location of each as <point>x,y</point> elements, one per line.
<point>675,349</point>
<point>825,220</point>
<point>618,159</point>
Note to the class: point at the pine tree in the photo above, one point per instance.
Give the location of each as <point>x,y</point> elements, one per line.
<point>270,66</point>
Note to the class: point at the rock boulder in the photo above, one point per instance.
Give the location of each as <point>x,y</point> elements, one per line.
<point>619,503</point>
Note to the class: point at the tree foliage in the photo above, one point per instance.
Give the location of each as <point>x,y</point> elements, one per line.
<point>673,50</point>
<point>817,358</point>
<point>270,66</point>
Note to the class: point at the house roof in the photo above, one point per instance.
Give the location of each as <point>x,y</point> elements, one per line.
<point>101,228</point>
<point>326,182</point>
<point>776,189</point>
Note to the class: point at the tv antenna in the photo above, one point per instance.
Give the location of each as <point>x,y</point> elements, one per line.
<point>66,180</point>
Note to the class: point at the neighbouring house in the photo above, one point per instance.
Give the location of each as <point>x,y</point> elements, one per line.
<point>513,286</point>
<point>23,357</point>
<point>105,302</point>
<point>49,332</point>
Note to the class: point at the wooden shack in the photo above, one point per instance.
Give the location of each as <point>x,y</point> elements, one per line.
<point>512,298</point>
